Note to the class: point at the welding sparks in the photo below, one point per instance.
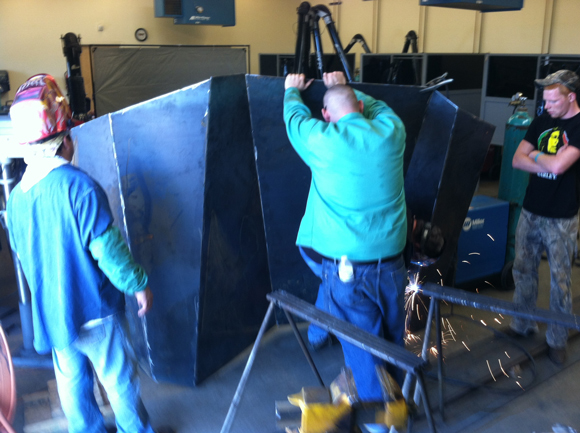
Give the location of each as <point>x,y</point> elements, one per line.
<point>520,386</point>
<point>497,320</point>
<point>465,261</point>
<point>411,338</point>
<point>491,237</point>
<point>484,324</point>
<point>466,346</point>
<point>490,372</point>
<point>501,366</point>
<point>451,330</point>
<point>474,254</point>
<point>411,292</point>
<point>500,316</point>
<point>434,351</point>
<point>447,330</point>
<point>506,354</point>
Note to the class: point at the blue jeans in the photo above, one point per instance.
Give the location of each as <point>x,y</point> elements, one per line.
<point>316,335</point>
<point>557,236</point>
<point>373,301</point>
<point>106,346</point>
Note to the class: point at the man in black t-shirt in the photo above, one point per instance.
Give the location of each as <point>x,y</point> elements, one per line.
<point>550,152</point>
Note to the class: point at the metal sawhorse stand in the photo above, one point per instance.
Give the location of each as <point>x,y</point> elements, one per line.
<point>481,302</point>
<point>391,353</point>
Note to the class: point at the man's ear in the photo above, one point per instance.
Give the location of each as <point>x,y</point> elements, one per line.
<point>361,106</point>
<point>325,115</point>
<point>67,148</point>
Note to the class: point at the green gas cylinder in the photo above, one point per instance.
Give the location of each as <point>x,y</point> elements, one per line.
<point>513,182</point>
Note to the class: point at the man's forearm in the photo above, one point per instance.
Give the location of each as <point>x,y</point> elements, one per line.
<point>540,162</point>
<point>524,162</point>
<point>115,260</point>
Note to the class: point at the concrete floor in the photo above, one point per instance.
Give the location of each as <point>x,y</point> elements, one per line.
<point>543,395</point>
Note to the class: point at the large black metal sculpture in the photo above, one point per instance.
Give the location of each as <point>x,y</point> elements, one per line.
<point>180,175</point>
<point>210,194</point>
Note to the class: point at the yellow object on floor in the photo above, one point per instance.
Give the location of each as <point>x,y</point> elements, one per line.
<point>319,414</point>
<point>395,415</point>
<point>396,410</point>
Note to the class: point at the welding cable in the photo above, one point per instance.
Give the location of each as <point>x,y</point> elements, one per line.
<point>5,425</point>
<point>473,385</point>
<point>7,386</point>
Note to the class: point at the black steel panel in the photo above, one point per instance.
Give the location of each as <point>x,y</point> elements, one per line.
<point>284,182</point>
<point>235,278</point>
<point>467,150</point>
<point>427,162</point>
<point>190,198</point>
<point>160,147</point>
<point>94,153</point>
<point>409,103</point>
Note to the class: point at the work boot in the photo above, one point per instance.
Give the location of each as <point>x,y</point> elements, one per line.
<point>557,355</point>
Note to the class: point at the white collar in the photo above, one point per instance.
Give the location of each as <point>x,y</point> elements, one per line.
<point>38,169</point>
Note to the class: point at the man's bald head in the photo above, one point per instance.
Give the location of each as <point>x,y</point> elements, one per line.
<point>339,101</point>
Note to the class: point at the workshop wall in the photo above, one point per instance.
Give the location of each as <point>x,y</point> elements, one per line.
<point>514,32</point>
<point>565,28</point>
<point>30,29</point>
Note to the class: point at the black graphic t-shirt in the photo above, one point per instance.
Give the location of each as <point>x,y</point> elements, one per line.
<point>550,195</point>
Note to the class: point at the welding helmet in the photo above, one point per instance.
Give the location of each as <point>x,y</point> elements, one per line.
<point>40,112</point>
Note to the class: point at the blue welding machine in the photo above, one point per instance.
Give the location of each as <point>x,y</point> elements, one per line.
<point>482,244</point>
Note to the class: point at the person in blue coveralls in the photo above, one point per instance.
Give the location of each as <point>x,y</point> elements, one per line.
<point>354,229</point>
<point>77,265</point>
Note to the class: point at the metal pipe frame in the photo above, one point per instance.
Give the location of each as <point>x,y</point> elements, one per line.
<point>314,19</point>
<point>303,347</point>
<point>242,385</point>
<point>306,24</point>
<point>357,38</point>
<point>324,13</point>
<point>302,41</point>
<point>373,344</point>
<point>481,302</point>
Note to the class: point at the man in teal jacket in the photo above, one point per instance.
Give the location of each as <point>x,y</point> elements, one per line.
<point>355,208</point>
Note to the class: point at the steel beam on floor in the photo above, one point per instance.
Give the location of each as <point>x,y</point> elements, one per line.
<point>481,302</point>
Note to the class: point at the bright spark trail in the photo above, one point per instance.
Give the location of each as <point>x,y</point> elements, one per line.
<point>490,372</point>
